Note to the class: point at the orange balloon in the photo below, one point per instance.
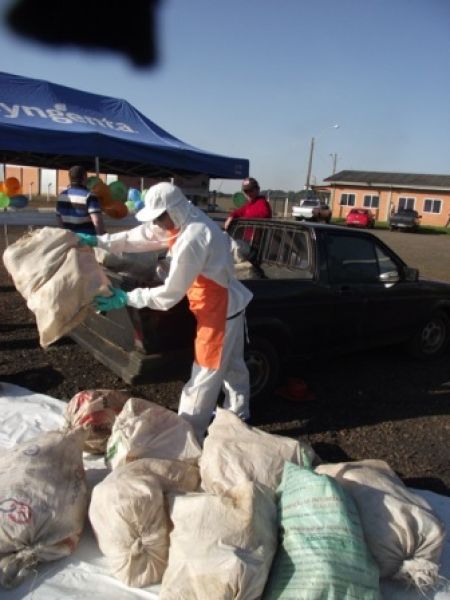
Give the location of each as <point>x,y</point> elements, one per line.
<point>103,193</point>
<point>2,187</point>
<point>116,210</point>
<point>12,186</point>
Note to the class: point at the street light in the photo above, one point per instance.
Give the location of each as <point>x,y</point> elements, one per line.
<point>311,152</point>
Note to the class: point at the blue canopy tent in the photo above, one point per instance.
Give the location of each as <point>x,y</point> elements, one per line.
<point>47,125</point>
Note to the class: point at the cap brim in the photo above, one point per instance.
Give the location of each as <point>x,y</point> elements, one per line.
<point>149,214</point>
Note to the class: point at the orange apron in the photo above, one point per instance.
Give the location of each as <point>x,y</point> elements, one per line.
<point>208,302</point>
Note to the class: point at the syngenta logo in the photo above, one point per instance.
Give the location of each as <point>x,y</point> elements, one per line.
<point>59,114</point>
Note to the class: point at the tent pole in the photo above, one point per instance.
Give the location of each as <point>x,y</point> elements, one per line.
<point>97,166</point>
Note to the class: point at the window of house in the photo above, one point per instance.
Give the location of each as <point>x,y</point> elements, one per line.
<point>371,201</point>
<point>347,199</point>
<point>432,205</point>
<point>406,202</point>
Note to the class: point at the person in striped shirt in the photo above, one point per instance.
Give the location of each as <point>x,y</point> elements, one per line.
<point>77,208</point>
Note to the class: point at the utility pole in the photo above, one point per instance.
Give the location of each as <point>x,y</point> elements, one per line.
<point>334,159</point>
<point>308,175</point>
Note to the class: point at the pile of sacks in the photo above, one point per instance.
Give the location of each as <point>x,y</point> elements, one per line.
<point>251,515</point>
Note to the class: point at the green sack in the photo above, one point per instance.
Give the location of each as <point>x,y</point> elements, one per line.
<point>322,553</point>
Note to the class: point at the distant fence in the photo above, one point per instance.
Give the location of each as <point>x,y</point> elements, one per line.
<point>281,205</point>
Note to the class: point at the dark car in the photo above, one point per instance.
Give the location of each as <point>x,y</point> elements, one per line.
<point>318,290</point>
<point>405,219</point>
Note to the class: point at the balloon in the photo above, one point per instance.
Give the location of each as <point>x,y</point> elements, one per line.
<point>18,201</point>
<point>4,200</point>
<point>239,199</point>
<point>134,195</point>
<point>116,210</point>
<point>103,193</point>
<point>91,181</point>
<point>118,191</point>
<point>12,186</point>
<point>130,205</point>
<point>139,204</point>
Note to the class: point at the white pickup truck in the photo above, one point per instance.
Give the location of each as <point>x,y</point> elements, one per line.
<point>312,209</point>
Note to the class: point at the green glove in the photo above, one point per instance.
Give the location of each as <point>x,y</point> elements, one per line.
<point>118,299</point>
<point>86,239</point>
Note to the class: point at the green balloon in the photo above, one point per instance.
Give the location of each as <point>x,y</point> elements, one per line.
<point>4,200</point>
<point>130,205</point>
<point>91,181</point>
<point>239,199</point>
<point>119,191</point>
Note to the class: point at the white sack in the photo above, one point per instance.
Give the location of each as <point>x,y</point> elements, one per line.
<point>57,278</point>
<point>403,534</point>
<point>43,502</point>
<point>145,429</point>
<point>95,411</point>
<point>130,518</point>
<point>233,453</point>
<point>221,547</point>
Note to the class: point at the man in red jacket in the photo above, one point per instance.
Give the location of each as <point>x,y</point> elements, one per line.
<point>256,207</point>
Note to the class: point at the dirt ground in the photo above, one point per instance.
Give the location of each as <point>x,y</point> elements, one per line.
<point>378,404</point>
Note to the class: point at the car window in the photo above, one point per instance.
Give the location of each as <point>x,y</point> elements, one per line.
<point>352,259</point>
<point>385,262</point>
<point>283,253</point>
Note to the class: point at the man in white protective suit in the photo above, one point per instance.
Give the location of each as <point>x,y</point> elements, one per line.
<point>201,267</point>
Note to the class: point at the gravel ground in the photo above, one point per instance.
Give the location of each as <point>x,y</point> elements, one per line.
<point>377,404</point>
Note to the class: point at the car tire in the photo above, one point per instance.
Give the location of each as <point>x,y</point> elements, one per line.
<point>262,360</point>
<point>432,339</point>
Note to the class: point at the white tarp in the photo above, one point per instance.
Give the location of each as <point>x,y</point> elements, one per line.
<point>23,415</point>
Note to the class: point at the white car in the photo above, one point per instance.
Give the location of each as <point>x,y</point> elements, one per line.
<point>312,209</point>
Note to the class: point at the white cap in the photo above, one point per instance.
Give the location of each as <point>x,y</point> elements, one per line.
<point>158,199</point>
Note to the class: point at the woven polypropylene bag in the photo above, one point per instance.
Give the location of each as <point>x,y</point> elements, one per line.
<point>95,411</point>
<point>43,502</point>
<point>129,515</point>
<point>233,453</point>
<point>404,535</point>
<point>57,278</point>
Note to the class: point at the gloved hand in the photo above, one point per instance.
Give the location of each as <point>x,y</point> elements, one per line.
<point>86,239</point>
<point>118,299</point>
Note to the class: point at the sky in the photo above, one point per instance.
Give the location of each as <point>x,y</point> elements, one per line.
<point>258,79</point>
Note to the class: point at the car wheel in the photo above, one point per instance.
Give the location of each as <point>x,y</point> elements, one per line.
<point>432,338</point>
<point>262,360</point>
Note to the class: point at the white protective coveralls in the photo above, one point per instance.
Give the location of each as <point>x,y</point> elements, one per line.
<point>202,268</point>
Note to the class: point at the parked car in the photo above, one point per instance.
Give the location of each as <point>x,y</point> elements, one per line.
<point>318,290</point>
<point>360,217</point>
<point>406,219</point>
<point>312,209</point>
